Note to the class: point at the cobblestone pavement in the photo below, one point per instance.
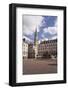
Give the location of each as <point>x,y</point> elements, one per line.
<point>39,66</point>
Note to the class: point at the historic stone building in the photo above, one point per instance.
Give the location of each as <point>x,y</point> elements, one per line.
<point>31,52</point>
<point>44,49</point>
<point>47,48</point>
<point>25,49</point>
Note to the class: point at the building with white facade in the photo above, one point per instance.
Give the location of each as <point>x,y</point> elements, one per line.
<point>25,49</point>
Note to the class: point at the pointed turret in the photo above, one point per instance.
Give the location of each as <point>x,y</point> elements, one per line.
<point>35,37</point>
<point>36,43</point>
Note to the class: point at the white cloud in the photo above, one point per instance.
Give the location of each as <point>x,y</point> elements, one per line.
<point>56,24</point>
<point>27,31</point>
<point>30,23</point>
<point>27,39</point>
<point>43,36</point>
<point>45,39</point>
<point>54,37</point>
<point>51,30</point>
<point>45,30</point>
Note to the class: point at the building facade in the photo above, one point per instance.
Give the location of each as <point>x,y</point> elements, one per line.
<point>47,48</point>
<point>25,49</point>
<point>31,52</point>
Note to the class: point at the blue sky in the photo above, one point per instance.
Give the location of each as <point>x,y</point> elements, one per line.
<point>46,27</point>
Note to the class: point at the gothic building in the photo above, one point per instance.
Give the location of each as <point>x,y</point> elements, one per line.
<point>45,49</point>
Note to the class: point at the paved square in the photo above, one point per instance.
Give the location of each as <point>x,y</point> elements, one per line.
<point>39,66</point>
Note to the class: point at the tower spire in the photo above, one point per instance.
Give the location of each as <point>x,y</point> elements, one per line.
<point>35,37</point>
<point>36,43</point>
